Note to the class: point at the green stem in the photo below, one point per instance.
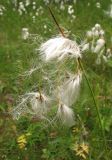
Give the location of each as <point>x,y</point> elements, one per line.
<point>92,93</point>
<point>61,31</point>
<point>95,103</point>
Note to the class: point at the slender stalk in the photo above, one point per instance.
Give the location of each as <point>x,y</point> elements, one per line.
<point>95,103</point>
<point>80,64</point>
<point>61,31</point>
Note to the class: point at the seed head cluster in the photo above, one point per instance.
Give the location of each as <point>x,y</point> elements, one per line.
<point>63,96</point>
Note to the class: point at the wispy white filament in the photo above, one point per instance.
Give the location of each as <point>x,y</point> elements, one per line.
<point>66,115</point>
<point>69,91</point>
<point>59,48</point>
<point>33,103</point>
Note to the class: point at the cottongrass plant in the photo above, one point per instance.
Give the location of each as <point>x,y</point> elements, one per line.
<point>95,43</point>
<point>66,89</point>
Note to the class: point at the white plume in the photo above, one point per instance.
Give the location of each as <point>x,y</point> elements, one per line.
<point>59,48</point>
<point>69,91</point>
<point>39,104</point>
<point>66,115</point>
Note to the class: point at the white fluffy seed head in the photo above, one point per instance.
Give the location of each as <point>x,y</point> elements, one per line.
<point>99,45</point>
<point>97,26</point>
<point>59,48</point>
<point>39,104</point>
<point>69,91</point>
<point>66,115</point>
<point>89,35</point>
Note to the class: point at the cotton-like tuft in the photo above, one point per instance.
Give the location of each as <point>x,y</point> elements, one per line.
<point>59,48</point>
<point>33,103</point>
<point>66,115</point>
<point>69,91</point>
<point>39,104</point>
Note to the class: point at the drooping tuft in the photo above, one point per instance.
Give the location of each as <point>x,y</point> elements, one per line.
<point>69,91</point>
<point>59,48</point>
<point>66,115</point>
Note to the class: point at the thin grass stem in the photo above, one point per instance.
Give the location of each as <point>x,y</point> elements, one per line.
<point>94,100</point>
<point>92,93</point>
